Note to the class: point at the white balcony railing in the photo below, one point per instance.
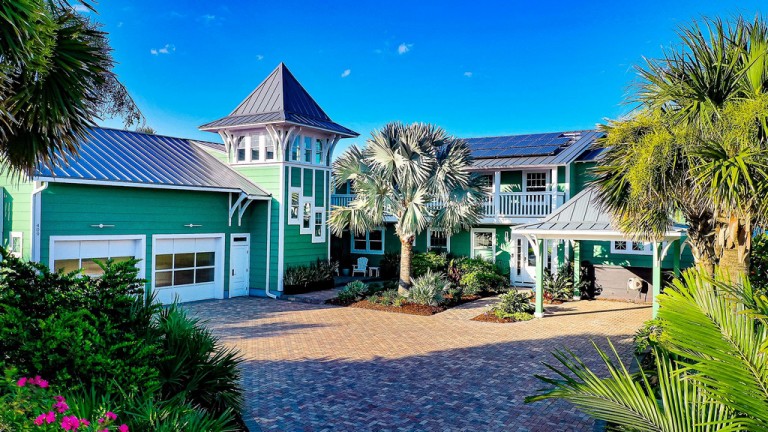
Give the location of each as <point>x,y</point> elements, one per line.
<point>502,205</point>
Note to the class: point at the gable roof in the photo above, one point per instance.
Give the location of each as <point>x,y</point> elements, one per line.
<point>127,158</point>
<point>280,97</point>
<point>554,148</point>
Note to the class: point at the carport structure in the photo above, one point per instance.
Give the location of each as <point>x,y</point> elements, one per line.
<point>582,219</point>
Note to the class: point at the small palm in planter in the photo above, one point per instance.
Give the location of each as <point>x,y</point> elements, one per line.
<point>416,173</point>
<point>558,288</point>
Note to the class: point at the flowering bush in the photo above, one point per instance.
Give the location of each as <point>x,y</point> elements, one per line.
<point>28,404</point>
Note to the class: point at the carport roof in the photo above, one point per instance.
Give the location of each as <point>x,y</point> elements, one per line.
<point>582,218</point>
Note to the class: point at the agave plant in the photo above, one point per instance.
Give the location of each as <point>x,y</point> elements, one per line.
<point>711,362</point>
<point>417,173</point>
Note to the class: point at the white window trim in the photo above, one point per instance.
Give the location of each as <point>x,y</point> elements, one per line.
<point>472,240</point>
<point>297,219</point>
<point>429,240</point>
<point>141,265</point>
<point>524,179</point>
<point>218,278</point>
<point>321,238</point>
<point>367,249</point>
<point>303,201</point>
<point>647,249</point>
<point>20,236</point>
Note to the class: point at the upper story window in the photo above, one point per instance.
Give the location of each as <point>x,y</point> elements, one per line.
<point>536,181</point>
<point>308,149</point>
<point>296,148</point>
<point>255,147</point>
<point>319,151</point>
<point>270,153</point>
<point>240,151</point>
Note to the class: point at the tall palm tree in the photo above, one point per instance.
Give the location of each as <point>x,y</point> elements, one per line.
<point>416,173</point>
<point>55,79</point>
<point>697,146</point>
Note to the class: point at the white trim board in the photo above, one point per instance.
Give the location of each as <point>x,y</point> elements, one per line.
<point>472,240</point>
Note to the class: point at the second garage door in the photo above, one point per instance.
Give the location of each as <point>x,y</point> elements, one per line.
<point>188,268</point>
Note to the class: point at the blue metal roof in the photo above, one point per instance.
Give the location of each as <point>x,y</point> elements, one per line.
<point>279,98</point>
<point>592,154</point>
<point>134,158</point>
<point>555,148</point>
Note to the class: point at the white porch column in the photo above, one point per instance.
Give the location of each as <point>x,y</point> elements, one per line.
<point>553,187</point>
<point>496,191</point>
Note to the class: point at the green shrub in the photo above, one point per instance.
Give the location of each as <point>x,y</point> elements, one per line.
<point>560,286</point>
<point>512,303</point>
<point>428,289</point>
<point>196,365</point>
<point>433,261</point>
<point>515,316</point>
<point>758,264</point>
<point>389,266</point>
<point>388,298</point>
<point>353,291</point>
<point>319,271</point>
<point>648,335</point>
<point>470,265</point>
<point>76,330</point>
<point>478,282</point>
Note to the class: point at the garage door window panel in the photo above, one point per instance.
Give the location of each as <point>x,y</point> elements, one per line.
<point>186,268</point>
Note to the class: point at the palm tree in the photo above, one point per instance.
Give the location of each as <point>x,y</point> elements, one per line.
<point>717,334</point>
<point>416,173</point>
<point>55,79</point>
<point>697,146</point>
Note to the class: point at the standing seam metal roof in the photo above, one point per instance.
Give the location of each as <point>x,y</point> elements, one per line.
<point>112,155</point>
<point>280,97</point>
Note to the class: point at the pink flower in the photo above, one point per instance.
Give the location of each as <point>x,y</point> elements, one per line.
<point>22,382</point>
<point>122,428</point>
<point>70,423</point>
<point>85,422</point>
<point>110,415</point>
<point>42,383</point>
<point>101,420</point>
<point>59,399</point>
<point>40,419</point>
<point>61,406</point>
<point>50,417</point>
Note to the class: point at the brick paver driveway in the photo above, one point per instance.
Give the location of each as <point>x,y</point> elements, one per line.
<point>320,368</point>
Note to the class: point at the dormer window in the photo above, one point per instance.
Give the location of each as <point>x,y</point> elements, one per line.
<point>308,149</point>
<point>296,148</point>
<point>319,152</point>
<point>255,147</point>
<point>269,148</point>
<point>241,150</point>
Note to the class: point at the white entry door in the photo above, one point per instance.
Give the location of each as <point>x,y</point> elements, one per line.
<point>239,265</point>
<point>523,261</point>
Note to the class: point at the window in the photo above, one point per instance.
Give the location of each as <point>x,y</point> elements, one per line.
<point>296,148</point>
<point>293,211</point>
<point>484,244</point>
<point>307,216</point>
<point>15,244</point>
<point>371,242</point>
<point>186,268</point>
<point>255,147</point>
<point>318,234</point>
<point>308,149</point>
<point>269,148</point>
<point>240,150</point>
<point>631,247</point>
<point>71,254</point>
<point>536,182</point>
<point>437,240</point>
<point>319,151</point>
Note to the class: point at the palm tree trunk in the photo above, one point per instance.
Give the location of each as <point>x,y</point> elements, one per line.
<point>406,255</point>
<point>734,237</point>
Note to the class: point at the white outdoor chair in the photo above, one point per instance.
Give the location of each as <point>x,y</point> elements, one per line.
<point>361,266</point>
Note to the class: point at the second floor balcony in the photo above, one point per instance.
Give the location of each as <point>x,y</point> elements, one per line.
<point>501,207</point>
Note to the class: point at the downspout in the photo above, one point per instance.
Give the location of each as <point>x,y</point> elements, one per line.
<point>269,249</point>
<point>36,217</point>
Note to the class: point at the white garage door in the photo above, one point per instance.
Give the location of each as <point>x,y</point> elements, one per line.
<point>188,269</point>
<point>72,253</point>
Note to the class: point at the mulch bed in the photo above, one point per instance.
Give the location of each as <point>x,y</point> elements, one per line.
<point>406,308</point>
<point>491,317</point>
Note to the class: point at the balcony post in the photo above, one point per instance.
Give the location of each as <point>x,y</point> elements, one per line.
<point>496,191</point>
<point>554,189</point>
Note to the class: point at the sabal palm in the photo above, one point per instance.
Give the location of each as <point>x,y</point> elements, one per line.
<point>416,173</point>
<point>716,332</point>
<point>55,79</point>
<point>704,151</point>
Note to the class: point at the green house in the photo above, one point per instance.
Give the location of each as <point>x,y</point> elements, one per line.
<point>533,177</point>
<point>207,220</point>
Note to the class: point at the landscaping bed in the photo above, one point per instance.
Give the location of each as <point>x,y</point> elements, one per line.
<point>491,317</point>
<point>405,307</point>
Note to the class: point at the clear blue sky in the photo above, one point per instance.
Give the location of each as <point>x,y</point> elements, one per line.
<point>474,67</point>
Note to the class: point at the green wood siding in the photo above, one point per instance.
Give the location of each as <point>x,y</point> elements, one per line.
<point>17,212</point>
<point>561,180</point>
<point>320,188</point>
<point>268,178</point>
<point>307,186</point>
<point>295,177</point>
<point>299,248</point>
<point>580,176</point>
<point>70,210</point>
<point>220,155</point>
<point>599,253</point>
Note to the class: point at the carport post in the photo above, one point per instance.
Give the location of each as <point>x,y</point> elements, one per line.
<point>576,269</point>
<point>539,279</point>
<point>656,276</point>
<point>676,257</point>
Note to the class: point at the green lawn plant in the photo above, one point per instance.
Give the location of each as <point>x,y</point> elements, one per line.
<point>429,289</point>
<point>514,305</point>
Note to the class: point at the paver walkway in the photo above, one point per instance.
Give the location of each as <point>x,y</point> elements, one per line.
<point>323,368</point>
